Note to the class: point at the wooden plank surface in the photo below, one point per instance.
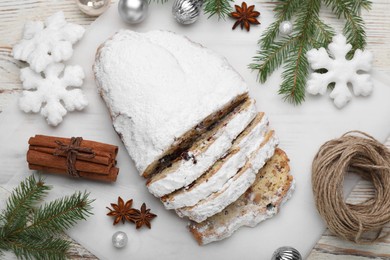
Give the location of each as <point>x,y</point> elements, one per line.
<point>13,14</point>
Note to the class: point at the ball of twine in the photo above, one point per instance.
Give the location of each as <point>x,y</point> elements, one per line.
<point>361,153</point>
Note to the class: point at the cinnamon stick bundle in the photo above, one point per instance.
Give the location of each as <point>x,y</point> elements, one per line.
<point>73,156</point>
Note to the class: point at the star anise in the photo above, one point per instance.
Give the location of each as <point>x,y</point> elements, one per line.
<point>245,16</point>
<point>143,217</point>
<point>121,211</point>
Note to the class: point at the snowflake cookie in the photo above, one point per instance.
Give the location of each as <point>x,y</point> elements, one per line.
<point>56,94</point>
<point>45,43</point>
<point>340,71</point>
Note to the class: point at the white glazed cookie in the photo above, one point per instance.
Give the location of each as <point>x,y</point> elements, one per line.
<point>273,186</point>
<point>160,85</point>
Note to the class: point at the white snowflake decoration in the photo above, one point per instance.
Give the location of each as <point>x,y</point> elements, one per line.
<point>340,71</point>
<point>49,42</point>
<point>56,94</point>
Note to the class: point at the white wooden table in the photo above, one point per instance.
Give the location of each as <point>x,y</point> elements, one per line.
<point>13,14</point>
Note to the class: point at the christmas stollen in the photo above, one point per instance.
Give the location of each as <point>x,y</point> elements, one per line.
<point>191,128</point>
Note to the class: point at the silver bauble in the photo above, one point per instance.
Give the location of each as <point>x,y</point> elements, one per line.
<point>286,253</point>
<point>119,239</point>
<point>133,11</point>
<point>285,28</point>
<point>93,7</point>
<point>186,11</point>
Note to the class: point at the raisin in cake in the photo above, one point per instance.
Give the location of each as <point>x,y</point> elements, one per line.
<point>272,187</point>
<point>187,121</point>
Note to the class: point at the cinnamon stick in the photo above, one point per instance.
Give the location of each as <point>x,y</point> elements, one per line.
<point>49,141</point>
<point>73,156</point>
<point>105,159</point>
<point>110,177</point>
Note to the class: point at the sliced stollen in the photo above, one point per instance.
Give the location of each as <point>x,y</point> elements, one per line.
<point>163,91</point>
<point>225,168</point>
<point>235,186</point>
<point>273,186</point>
<point>203,153</point>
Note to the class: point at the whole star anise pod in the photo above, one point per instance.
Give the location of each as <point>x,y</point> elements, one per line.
<point>143,217</point>
<point>245,16</point>
<point>121,211</point>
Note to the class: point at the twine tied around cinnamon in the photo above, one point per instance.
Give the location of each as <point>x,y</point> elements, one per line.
<point>72,151</point>
<point>369,158</point>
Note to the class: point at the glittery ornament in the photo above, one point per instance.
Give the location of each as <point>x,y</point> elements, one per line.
<point>119,239</point>
<point>133,11</point>
<point>285,28</point>
<point>93,7</point>
<point>286,253</point>
<point>186,11</point>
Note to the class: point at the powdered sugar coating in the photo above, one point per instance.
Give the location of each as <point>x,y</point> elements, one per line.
<point>233,189</point>
<point>158,85</point>
<point>251,218</point>
<point>214,183</point>
<point>187,171</point>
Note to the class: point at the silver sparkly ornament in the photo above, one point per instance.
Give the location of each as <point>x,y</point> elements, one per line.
<point>286,253</point>
<point>186,11</point>
<point>285,28</point>
<point>133,11</point>
<point>93,7</point>
<point>119,239</point>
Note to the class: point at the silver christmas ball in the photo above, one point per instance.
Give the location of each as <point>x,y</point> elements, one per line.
<point>133,11</point>
<point>119,239</point>
<point>285,28</point>
<point>93,7</point>
<point>286,253</point>
<point>186,11</point>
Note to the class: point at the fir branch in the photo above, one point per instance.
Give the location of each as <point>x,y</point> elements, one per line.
<point>354,24</point>
<point>21,201</point>
<point>60,214</point>
<point>221,8</point>
<point>323,34</point>
<point>309,32</point>
<point>297,66</point>
<point>267,61</point>
<point>40,248</point>
<point>38,238</point>
<point>283,11</point>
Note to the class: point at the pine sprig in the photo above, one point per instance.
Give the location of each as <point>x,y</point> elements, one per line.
<point>31,232</point>
<point>309,32</point>
<point>21,202</point>
<point>221,8</point>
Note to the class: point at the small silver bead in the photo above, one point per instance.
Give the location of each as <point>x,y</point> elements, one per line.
<point>285,28</point>
<point>119,239</point>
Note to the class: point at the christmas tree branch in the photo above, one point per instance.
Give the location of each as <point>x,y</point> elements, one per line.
<point>38,237</point>
<point>267,61</point>
<point>20,203</point>
<point>283,11</point>
<point>309,32</point>
<point>221,8</point>
<point>354,25</point>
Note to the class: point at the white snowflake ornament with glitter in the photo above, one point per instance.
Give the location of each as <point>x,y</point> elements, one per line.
<point>51,93</point>
<point>340,70</point>
<point>45,43</point>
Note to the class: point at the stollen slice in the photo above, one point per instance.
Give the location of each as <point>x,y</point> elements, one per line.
<point>273,186</point>
<point>225,168</point>
<point>204,152</point>
<point>235,186</point>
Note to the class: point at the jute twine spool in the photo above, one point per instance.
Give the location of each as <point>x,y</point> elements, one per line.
<point>358,152</point>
